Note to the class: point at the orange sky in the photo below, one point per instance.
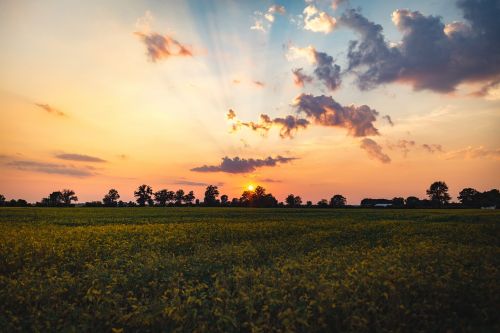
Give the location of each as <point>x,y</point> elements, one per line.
<point>84,106</point>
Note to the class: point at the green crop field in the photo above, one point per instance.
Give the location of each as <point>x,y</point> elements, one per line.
<point>259,270</point>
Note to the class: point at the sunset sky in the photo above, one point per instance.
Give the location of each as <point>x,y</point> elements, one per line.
<point>362,98</point>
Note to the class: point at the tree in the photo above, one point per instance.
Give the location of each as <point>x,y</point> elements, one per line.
<point>189,198</point>
<point>337,201</point>
<point>438,193</point>
<point>162,197</point>
<point>179,197</point>
<point>55,199</point>
<point>293,201</point>
<point>144,195</point>
<point>211,194</point>
<point>111,199</point>
<point>309,203</point>
<point>2,200</point>
<point>68,196</point>
<point>469,197</point>
<point>412,202</point>
<point>323,203</point>
<point>224,199</point>
<point>398,202</point>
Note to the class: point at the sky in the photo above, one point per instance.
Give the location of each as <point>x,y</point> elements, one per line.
<point>368,99</point>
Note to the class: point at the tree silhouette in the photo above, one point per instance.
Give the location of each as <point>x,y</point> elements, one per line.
<point>143,195</point>
<point>224,199</point>
<point>2,200</point>
<point>337,201</point>
<point>293,201</point>
<point>189,198</point>
<point>54,199</point>
<point>412,202</point>
<point>179,197</point>
<point>211,194</point>
<point>398,202</point>
<point>162,197</point>
<point>438,193</point>
<point>323,203</point>
<point>68,196</point>
<point>111,199</point>
<point>469,197</point>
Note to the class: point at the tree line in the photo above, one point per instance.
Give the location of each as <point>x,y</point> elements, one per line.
<point>438,197</point>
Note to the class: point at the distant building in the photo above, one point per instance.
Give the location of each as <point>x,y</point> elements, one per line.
<point>382,205</point>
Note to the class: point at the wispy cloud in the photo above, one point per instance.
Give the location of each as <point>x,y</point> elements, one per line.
<point>374,150</point>
<point>50,109</point>
<point>474,152</point>
<point>50,168</point>
<point>163,46</point>
<point>242,165</point>
<point>80,158</point>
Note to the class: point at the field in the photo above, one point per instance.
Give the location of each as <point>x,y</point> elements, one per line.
<point>259,270</point>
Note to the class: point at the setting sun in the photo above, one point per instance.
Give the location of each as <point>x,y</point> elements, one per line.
<point>250,187</point>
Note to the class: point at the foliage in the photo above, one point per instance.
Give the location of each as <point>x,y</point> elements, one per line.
<point>144,194</point>
<point>438,193</point>
<point>211,194</point>
<point>111,198</point>
<point>241,270</point>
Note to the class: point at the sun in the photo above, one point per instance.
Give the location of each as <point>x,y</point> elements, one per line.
<point>251,187</point>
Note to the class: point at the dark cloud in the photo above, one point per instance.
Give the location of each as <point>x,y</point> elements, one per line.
<point>300,78</point>
<point>324,110</point>
<point>287,126</point>
<point>242,165</point>
<point>163,46</point>
<point>50,109</point>
<point>80,158</point>
<point>326,71</point>
<point>374,150</point>
<point>50,168</point>
<point>259,84</point>
<point>431,55</point>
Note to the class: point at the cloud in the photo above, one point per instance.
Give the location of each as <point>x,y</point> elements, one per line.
<point>474,152</point>
<point>80,158</point>
<point>50,168</point>
<point>264,21</point>
<point>299,78</point>
<point>163,46</point>
<point>242,165</point>
<point>320,110</point>
<point>374,150</point>
<point>318,21</point>
<point>405,146</point>
<point>192,183</point>
<point>231,114</point>
<point>432,148</point>
<point>324,110</point>
<point>325,69</point>
<point>490,91</point>
<point>388,119</point>
<point>431,55</point>
<point>50,109</point>
<point>259,84</point>
<point>269,180</point>
<point>287,125</point>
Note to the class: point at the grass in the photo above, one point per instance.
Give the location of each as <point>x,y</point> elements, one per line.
<point>259,270</point>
